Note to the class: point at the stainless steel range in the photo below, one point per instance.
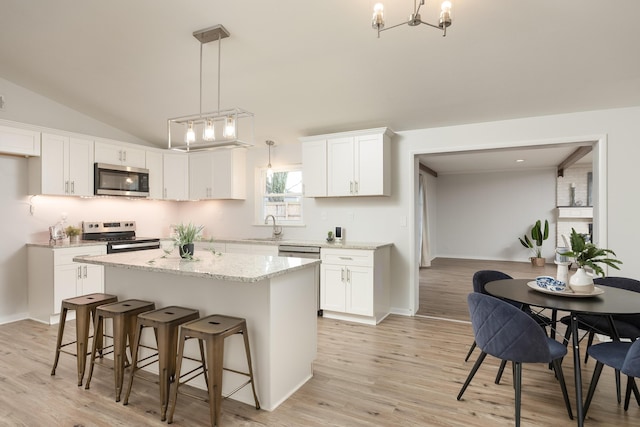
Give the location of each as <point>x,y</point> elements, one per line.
<point>119,235</point>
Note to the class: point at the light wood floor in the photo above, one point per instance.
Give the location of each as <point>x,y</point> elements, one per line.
<point>445,285</point>
<point>406,371</point>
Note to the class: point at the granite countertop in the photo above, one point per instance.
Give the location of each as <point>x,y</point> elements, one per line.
<point>65,244</point>
<point>347,244</point>
<point>225,266</point>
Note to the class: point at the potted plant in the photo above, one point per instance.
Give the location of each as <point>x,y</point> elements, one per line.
<point>538,236</point>
<point>588,255</point>
<point>330,236</point>
<point>73,233</point>
<point>186,234</point>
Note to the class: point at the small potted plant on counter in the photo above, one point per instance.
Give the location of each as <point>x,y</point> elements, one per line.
<point>588,255</point>
<point>73,233</point>
<point>186,234</point>
<point>538,236</point>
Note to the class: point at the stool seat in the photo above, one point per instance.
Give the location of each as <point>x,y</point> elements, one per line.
<point>212,330</point>
<point>165,322</point>
<point>123,315</point>
<point>85,307</point>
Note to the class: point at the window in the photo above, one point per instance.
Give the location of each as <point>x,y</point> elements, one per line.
<point>280,195</point>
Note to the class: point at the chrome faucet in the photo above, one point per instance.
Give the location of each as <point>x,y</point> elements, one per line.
<point>277,230</point>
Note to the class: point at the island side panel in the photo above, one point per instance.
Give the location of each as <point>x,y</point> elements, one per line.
<point>281,359</point>
<point>294,320</point>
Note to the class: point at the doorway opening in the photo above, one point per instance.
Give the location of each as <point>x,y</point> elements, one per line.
<point>491,225</point>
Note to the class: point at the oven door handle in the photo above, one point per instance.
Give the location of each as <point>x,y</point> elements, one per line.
<point>134,245</point>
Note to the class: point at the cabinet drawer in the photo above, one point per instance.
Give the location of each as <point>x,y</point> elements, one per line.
<point>347,257</point>
<point>65,256</point>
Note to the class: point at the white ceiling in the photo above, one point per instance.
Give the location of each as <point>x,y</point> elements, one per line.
<point>317,67</point>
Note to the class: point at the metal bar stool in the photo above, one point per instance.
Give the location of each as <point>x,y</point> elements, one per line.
<point>212,330</point>
<point>123,314</point>
<point>165,322</point>
<point>85,307</point>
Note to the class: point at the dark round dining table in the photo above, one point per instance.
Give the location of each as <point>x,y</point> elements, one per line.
<point>611,301</point>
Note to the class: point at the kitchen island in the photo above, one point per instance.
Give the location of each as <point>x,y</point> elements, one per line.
<point>276,295</point>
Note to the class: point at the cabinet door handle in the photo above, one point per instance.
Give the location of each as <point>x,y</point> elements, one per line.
<point>73,187</point>
<point>356,187</point>
<point>85,271</point>
<point>348,276</point>
<point>79,272</point>
<point>164,193</point>
<point>124,156</point>
<point>350,187</point>
<point>66,187</point>
<point>120,155</point>
<point>342,274</point>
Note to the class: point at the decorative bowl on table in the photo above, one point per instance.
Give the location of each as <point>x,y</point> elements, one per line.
<point>550,283</point>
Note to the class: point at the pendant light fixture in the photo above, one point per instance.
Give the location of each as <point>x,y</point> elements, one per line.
<point>269,168</point>
<point>414,19</point>
<point>231,123</point>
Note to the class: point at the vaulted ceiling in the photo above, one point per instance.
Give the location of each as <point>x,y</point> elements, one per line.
<point>316,67</point>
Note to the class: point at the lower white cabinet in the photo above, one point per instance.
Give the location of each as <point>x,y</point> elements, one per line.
<point>354,284</point>
<point>54,276</point>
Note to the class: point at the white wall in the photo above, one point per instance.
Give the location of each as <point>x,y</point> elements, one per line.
<point>472,207</point>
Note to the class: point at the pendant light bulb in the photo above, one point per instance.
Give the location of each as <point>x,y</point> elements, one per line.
<point>209,131</point>
<point>230,128</point>
<point>190,136</point>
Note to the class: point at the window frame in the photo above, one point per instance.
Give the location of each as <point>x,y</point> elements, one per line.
<point>260,195</point>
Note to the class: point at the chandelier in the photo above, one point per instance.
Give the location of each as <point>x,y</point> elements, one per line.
<point>414,19</point>
<point>205,131</point>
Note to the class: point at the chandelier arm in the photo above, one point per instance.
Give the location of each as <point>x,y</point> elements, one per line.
<point>416,6</point>
<point>394,26</point>
<point>431,25</point>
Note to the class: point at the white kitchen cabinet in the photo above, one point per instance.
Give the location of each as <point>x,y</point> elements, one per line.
<point>64,168</point>
<point>348,164</point>
<point>156,174</point>
<point>314,168</point>
<point>19,141</point>
<point>53,276</point>
<point>218,174</point>
<point>175,176</point>
<point>119,154</point>
<point>354,284</point>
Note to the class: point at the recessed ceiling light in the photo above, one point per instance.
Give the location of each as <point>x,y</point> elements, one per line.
<point>520,161</point>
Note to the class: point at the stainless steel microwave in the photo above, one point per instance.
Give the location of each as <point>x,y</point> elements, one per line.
<point>115,180</point>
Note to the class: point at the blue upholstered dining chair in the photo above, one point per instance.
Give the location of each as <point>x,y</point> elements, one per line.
<point>627,325</point>
<point>480,279</point>
<point>621,356</point>
<point>506,332</point>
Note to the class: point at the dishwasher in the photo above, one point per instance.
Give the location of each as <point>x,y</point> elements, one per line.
<point>312,252</point>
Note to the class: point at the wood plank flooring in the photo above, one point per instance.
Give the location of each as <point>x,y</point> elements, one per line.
<point>406,371</point>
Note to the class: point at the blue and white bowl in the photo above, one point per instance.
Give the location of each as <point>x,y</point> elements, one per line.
<point>551,284</point>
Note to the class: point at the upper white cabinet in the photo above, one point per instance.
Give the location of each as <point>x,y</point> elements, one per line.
<point>314,168</point>
<point>348,164</point>
<point>218,174</point>
<point>19,141</point>
<point>175,176</point>
<point>156,174</point>
<point>119,154</point>
<point>64,168</point>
